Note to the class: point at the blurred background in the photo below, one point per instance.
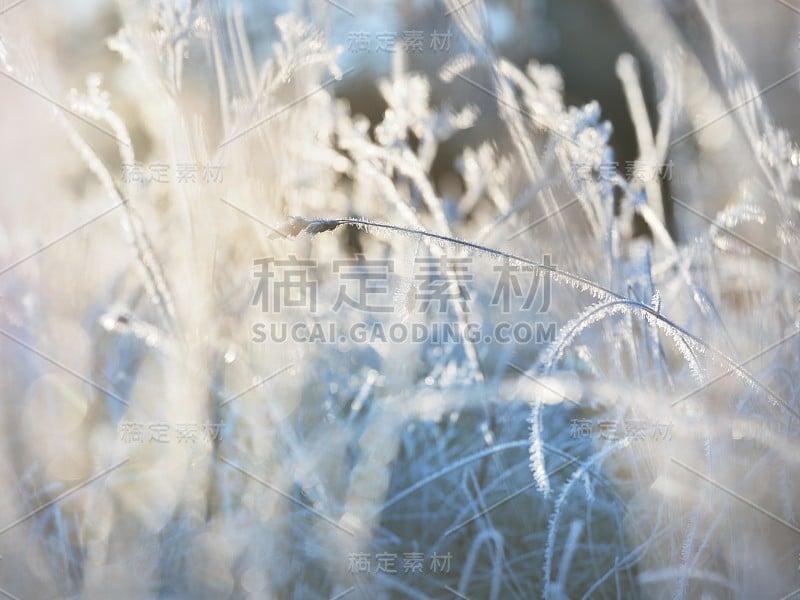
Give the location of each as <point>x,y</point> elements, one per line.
<point>582,38</point>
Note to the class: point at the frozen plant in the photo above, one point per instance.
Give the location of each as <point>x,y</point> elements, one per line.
<point>160,442</point>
